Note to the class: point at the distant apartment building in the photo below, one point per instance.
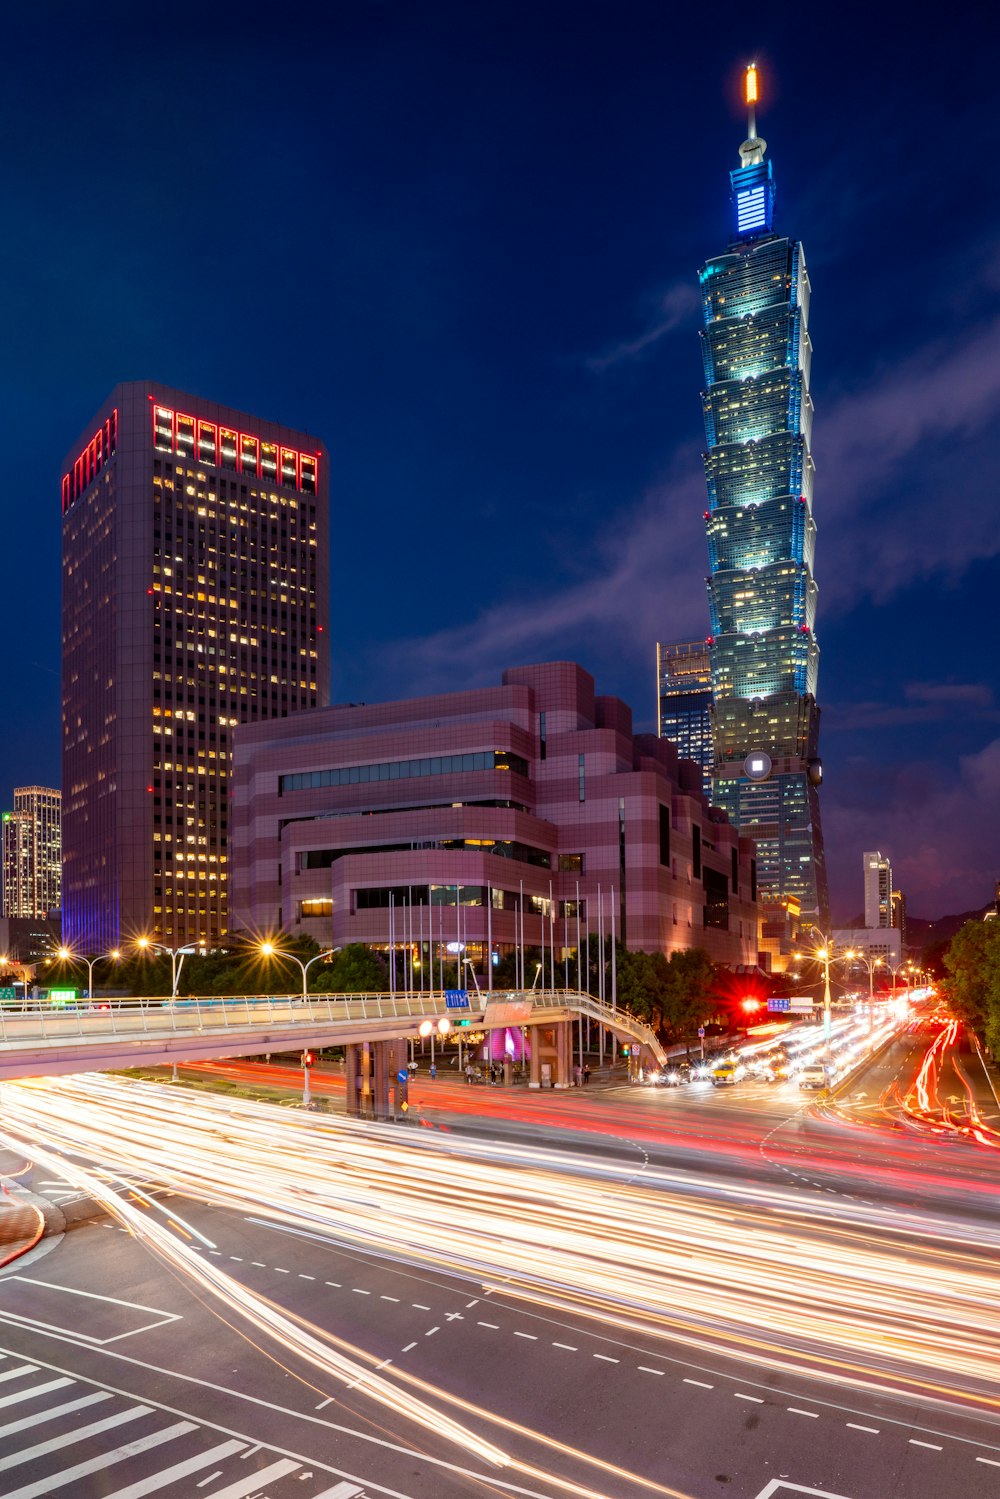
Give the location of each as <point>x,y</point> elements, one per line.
<point>885,943</point>
<point>684,701</point>
<point>878,890</point>
<point>518,816</point>
<point>32,852</point>
<point>195,598</point>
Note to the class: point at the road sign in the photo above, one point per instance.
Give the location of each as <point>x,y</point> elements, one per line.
<point>456,999</point>
<point>402,1075</point>
<point>803,1005</point>
<point>701,1032</point>
<point>6,993</point>
<point>777,1003</point>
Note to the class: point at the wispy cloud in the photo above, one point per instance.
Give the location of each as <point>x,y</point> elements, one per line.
<point>674,309</point>
<point>968,694</point>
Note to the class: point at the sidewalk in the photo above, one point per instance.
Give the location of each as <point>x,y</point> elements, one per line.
<point>22,1223</point>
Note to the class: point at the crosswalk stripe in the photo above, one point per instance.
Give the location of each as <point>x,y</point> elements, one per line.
<point>144,1486</point>
<point>105,1460</point>
<point>17,1373</point>
<point>79,1434</point>
<point>255,1481</point>
<point>12,1427</point>
<point>38,1389</point>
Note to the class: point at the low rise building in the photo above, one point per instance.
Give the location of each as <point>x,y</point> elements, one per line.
<point>484,822</point>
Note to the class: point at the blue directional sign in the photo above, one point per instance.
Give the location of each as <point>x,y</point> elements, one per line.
<point>402,1075</point>
<point>456,999</point>
<point>779,1004</point>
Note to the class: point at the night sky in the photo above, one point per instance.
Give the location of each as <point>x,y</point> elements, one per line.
<point>460,243</point>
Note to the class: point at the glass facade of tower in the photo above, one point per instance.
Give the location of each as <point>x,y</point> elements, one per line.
<point>684,698</point>
<point>761,541</point>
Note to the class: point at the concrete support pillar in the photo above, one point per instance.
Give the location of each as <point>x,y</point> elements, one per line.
<point>373,1088</point>
<point>551,1056</point>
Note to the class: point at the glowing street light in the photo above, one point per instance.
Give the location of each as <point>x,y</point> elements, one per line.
<point>269,950</point>
<point>66,955</point>
<point>175,954</point>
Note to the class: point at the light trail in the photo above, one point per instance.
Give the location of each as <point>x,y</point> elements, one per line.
<point>883,1303</point>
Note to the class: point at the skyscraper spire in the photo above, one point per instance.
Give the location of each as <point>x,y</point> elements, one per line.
<point>753,179</point>
<point>753,148</point>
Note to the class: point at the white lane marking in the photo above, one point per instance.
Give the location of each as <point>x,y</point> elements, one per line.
<point>408,1347</point>
<point>38,1389</point>
<point>778,1485</point>
<point>324,1403</point>
<point>855,1427</point>
<point>79,1434</point>
<point>306,1277</point>
<point>915,1442</point>
<point>532,1335</point>
<point>53,1410</point>
<point>358,1291</point>
<point>470,1304</point>
<point>21,1369</point>
<point>279,1271</point>
<point>568,1347</point>
<point>239,1260</point>
<point>389,1298</point>
<point>144,1486</point>
<point>419,1306</point>
<point>700,1383</point>
<point>644,1370</point>
<point>334,1283</point>
<point>105,1460</point>
<point>606,1358</point>
<point>244,1486</point>
<point>494,1326</point>
<point>798,1411</point>
<point>431,1331</point>
<point>738,1395</point>
<point>258,1264</point>
<point>990,1461</point>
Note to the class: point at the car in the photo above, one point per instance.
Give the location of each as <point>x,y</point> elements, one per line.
<point>726,1072</point>
<point>812,1075</point>
<point>675,1073</point>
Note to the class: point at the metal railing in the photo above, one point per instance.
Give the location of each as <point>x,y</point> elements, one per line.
<point>158,1017</point>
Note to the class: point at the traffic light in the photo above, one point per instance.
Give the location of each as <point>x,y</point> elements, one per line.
<point>308,1058</point>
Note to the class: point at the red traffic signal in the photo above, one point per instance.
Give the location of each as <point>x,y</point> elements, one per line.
<point>308,1058</point>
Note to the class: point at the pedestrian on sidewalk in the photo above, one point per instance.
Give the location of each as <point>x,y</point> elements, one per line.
<point>586,1073</point>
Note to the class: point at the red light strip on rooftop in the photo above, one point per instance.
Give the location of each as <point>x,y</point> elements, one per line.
<point>293,469</point>
<point>88,465</point>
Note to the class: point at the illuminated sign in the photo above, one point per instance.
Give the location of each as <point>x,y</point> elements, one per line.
<point>751,210</point>
<point>95,455</point>
<point>752,84</point>
<point>240,452</point>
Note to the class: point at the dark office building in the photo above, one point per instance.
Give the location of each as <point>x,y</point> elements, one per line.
<point>195,597</point>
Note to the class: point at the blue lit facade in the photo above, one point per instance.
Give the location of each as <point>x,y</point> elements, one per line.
<point>761,543</point>
<point>684,699</point>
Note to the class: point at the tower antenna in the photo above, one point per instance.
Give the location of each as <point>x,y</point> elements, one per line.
<point>753,148</point>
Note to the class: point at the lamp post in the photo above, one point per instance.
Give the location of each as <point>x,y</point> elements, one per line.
<point>268,950</point>
<point>871,964</point>
<point>65,954</point>
<point>175,954</point>
<point>827,956</point>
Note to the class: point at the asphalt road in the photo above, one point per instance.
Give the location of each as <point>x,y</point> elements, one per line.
<point>115,1376</point>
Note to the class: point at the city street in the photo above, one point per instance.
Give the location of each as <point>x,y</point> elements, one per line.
<point>806,1306</point>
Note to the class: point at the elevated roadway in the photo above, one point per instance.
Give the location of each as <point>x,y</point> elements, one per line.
<point>37,1041</point>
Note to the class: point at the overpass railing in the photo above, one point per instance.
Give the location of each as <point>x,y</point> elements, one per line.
<point>157,1016</point>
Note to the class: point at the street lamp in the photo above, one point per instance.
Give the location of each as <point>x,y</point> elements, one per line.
<point>268,950</point>
<point>175,954</point>
<point>66,954</point>
<point>827,956</point>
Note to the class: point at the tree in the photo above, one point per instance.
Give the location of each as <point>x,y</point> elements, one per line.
<point>690,998</point>
<point>972,985</point>
<point>353,970</point>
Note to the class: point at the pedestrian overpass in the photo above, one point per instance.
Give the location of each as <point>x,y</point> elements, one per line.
<point>374,1029</point>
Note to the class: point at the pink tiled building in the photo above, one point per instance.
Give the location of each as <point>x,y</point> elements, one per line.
<point>519,816</point>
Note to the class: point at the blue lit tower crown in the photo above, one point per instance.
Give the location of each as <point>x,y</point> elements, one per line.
<point>761,539</point>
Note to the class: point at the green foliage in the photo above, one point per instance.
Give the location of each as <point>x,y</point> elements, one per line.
<point>353,970</point>
<point>972,985</point>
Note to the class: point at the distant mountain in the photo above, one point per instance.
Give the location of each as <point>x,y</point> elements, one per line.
<point>921,933</point>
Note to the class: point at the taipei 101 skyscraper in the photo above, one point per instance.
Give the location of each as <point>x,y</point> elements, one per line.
<point>764,656</point>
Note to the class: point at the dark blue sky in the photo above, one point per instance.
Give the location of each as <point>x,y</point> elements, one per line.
<point>460,243</point>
